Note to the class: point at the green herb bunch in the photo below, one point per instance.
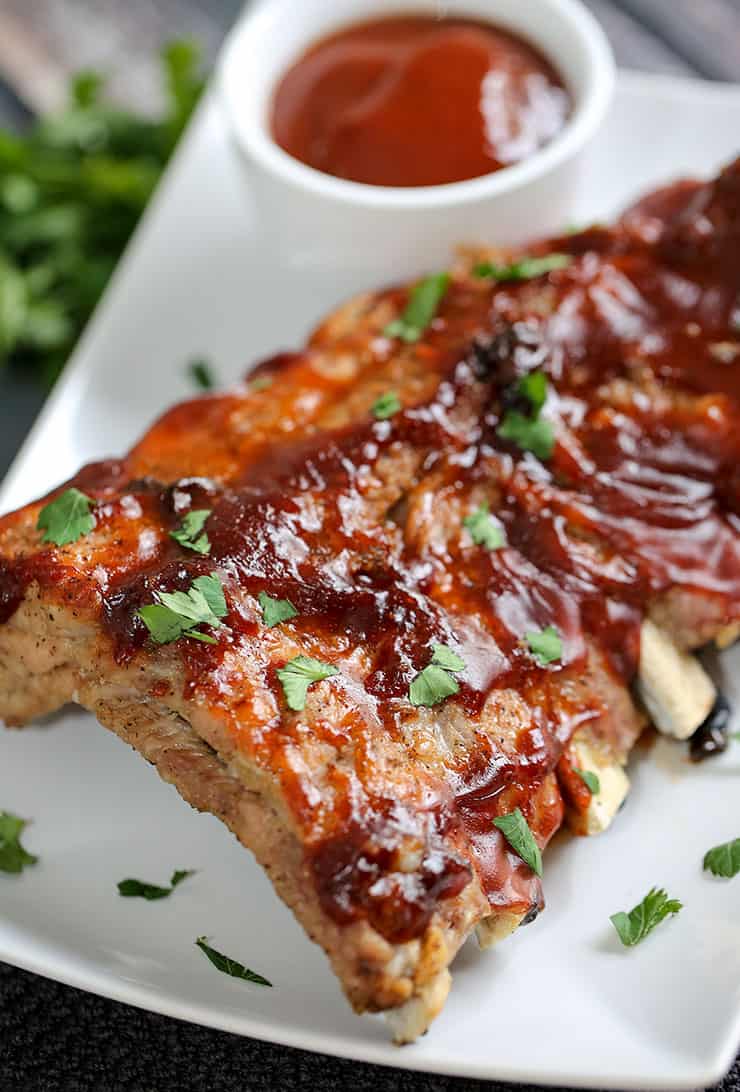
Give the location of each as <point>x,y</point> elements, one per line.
<point>72,189</point>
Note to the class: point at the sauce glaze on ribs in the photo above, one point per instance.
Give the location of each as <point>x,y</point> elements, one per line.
<point>374,817</point>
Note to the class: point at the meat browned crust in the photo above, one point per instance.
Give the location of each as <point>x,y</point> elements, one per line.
<point>374,817</point>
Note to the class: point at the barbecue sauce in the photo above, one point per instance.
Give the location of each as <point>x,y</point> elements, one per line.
<point>638,336</point>
<point>418,101</point>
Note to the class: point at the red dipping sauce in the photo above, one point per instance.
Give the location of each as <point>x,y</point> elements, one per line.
<point>418,101</point>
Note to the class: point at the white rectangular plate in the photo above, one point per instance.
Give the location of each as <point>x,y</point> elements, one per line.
<point>561,1002</point>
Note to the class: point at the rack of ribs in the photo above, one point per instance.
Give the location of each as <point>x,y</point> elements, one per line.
<point>374,814</point>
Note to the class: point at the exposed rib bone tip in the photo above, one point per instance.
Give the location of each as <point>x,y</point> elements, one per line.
<point>674,687</point>
<point>413,1018</point>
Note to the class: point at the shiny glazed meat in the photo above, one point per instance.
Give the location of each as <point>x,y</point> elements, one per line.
<point>375,817</point>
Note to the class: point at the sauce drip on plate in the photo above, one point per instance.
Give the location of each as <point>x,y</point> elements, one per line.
<point>418,101</point>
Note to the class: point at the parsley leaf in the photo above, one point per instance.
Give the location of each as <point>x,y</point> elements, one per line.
<point>590,780</point>
<point>230,966</point>
<point>177,614</point>
<point>275,611</point>
<point>545,644</point>
<point>435,683</point>
<point>188,534</point>
<point>66,518</point>
<point>260,383</point>
<point>634,926</point>
<point>201,374</point>
<point>385,406</point>
<point>13,857</point>
<point>150,891</point>
<point>529,434</point>
<point>422,307</point>
<point>444,656</point>
<point>298,674</point>
<point>484,530</point>
<point>524,269</point>
<point>533,386</point>
<point>431,686</point>
<point>723,860</point>
<point>212,590</point>
<point>515,830</point>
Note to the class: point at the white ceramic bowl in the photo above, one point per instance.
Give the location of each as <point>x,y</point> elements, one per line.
<point>391,232</point>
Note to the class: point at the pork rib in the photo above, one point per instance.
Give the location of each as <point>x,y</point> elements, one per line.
<point>373,816</point>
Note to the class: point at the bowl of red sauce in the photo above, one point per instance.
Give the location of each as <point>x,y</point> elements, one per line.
<point>380,134</point>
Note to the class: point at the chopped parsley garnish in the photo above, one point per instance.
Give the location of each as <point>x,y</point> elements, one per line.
<point>201,373</point>
<point>724,860</point>
<point>150,891</point>
<point>524,269</point>
<point>515,830</point>
<point>13,857</point>
<point>634,926</point>
<point>260,383</point>
<point>484,530</point>
<point>298,674</point>
<point>190,533</point>
<point>590,780</point>
<point>533,386</point>
<point>230,966</point>
<point>178,614</point>
<point>530,432</point>
<point>66,518</point>
<point>385,406</point>
<point>545,644</point>
<point>422,307</point>
<point>275,611</point>
<point>435,682</point>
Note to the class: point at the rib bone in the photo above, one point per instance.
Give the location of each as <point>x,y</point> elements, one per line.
<point>674,687</point>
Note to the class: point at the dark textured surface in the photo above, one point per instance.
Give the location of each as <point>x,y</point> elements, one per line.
<point>56,1039</point>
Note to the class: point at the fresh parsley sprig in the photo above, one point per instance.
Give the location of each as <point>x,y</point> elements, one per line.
<point>483,528</point>
<point>546,644</point>
<point>436,682</point>
<point>230,966</point>
<point>151,891</point>
<point>723,860</point>
<point>298,675</point>
<point>201,373</point>
<point>517,833</point>
<point>190,533</point>
<point>178,614</point>
<point>634,926</point>
<point>13,857</point>
<point>423,304</point>
<point>590,780</point>
<point>530,432</point>
<point>524,269</point>
<point>275,611</point>
<point>533,434</point>
<point>66,518</point>
<point>386,406</point>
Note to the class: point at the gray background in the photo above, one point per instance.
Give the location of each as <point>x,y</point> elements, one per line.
<point>56,1038</point>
